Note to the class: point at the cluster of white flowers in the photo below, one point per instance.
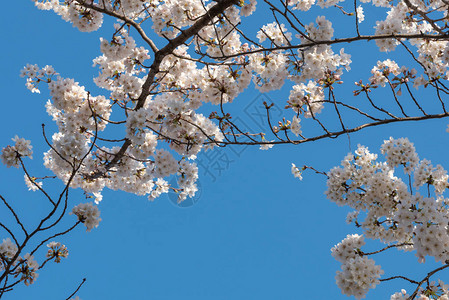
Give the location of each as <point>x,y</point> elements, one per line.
<point>166,164</point>
<point>360,14</point>
<point>275,33</point>
<point>270,70</point>
<point>320,60</point>
<point>169,16</point>
<point>317,61</point>
<point>359,272</point>
<point>57,251</point>
<point>351,217</point>
<point>31,183</point>
<point>249,7</point>
<point>435,58</point>
<point>119,73</point>
<point>348,247</point>
<point>432,240</point>
<point>393,213</point>
<point>27,269</point>
<point>10,154</point>
<point>35,75</point>
<point>400,152</point>
<point>121,46</point>
<point>306,99</point>
<point>382,70</point>
<point>88,214</point>
<point>432,56</point>
<point>426,173</point>
<point>162,187</point>
<point>321,30</point>
<point>79,115</point>
<point>135,124</point>
<point>188,174</point>
<point>222,39</point>
<point>393,24</point>
<point>218,85</point>
<point>8,249</point>
<point>358,275</point>
<point>135,8</point>
<point>86,20</point>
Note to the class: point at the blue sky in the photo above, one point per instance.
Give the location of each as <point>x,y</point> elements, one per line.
<point>255,232</point>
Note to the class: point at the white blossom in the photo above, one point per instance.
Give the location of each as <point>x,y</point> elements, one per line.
<point>8,249</point>
<point>88,214</point>
<point>296,172</point>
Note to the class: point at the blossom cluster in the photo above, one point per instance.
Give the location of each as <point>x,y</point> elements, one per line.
<point>432,56</point>
<point>31,183</point>
<point>278,35</point>
<point>348,248</point>
<point>86,20</point>
<point>57,251</point>
<point>11,154</point>
<point>8,249</point>
<point>88,214</point>
<point>25,268</point>
<point>393,213</point>
<point>359,273</point>
<point>80,117</point>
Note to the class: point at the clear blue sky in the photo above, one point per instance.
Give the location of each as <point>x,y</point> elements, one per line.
<point>255,232</point>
